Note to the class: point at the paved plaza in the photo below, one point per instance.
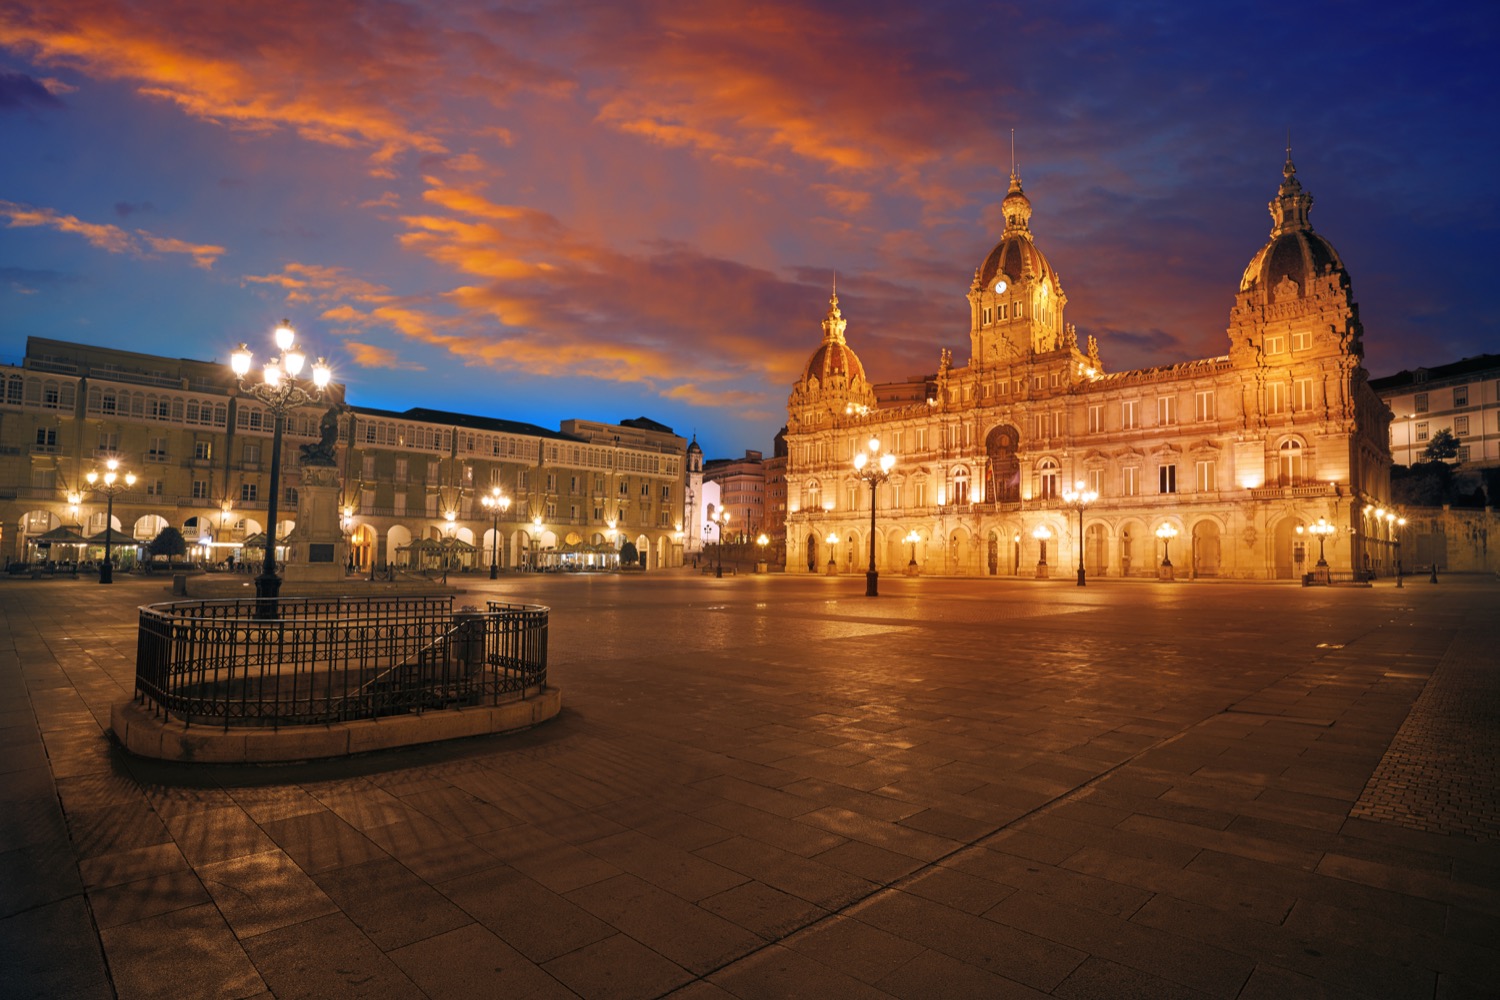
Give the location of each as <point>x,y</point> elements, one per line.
<point>767,787</point>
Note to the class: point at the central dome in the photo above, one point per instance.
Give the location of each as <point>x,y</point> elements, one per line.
<point>1016,255</point>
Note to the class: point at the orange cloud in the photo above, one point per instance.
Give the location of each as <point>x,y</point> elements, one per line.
<point>371,356</point>
<point>107,237</point>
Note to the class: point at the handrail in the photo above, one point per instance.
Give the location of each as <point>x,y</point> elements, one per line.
<point>327,660</point>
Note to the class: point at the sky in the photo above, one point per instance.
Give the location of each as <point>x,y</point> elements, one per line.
<point>542,211</point>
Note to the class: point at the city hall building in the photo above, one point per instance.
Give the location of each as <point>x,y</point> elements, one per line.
<point>1239,454</point>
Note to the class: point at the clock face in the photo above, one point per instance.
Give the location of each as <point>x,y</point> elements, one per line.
<point>1000,287</point>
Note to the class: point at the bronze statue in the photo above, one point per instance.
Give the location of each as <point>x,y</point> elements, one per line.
<point>325,452</point>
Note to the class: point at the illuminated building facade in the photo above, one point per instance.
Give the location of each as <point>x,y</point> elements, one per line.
<point>1234,453</point>
<point>201,449</point>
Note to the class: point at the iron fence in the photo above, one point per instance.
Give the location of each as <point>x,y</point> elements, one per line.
<point>325,660</point>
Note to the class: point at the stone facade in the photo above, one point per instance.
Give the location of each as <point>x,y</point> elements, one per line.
<point>201,450</point>
<point>1236,453</point>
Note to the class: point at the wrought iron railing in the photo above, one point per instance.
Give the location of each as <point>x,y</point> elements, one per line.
<point>326,660</point>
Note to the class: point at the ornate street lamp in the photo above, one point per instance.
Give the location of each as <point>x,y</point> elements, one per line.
<point>874,467</point>
<point>1400,529</point>
<point>535,534</point>
<point>111,484</point>
<point>1166,533</point>
<point>1041,533</point>
<point>720,518</point>
<point>1322,529</point>
<point>281,392</point>
<point>762,541</point>
<point>833,541</point>
<point>1079,499</point>
<point>912,538</point>
<point>497,503</point>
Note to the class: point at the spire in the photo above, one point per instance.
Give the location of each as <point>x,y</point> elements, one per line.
<point>834,323</point>
<point>1290,209</point>
<point>1016,206</point>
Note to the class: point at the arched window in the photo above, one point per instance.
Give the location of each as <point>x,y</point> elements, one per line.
<point>811,495</point>
<point>961,485</point>
<point>1047,477</point>
<point>1290,468</point>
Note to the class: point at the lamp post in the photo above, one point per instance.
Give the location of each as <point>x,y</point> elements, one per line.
<point>1400,525</point>
<point>912,538</point>
<point>1079,498</point>
<point>497,503</point>
<point>1041,533</point>
<point>874,467</point>
<point>111,483</point>
<point>720,518</point>
<point>833,563</point>
<point>535,533</point>
<point>762,541</point>
<point>1321,530</point>
<point>281,392</point>
<point>1166,533</point>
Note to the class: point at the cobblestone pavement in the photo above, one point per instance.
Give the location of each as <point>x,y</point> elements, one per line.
<point>776,787</point>
<point>1442,772</point>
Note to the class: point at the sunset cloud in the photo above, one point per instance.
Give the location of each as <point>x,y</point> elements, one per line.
<point>108,237</point>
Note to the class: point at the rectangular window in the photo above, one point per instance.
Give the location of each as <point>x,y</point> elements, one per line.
<point>1095,477</point>
<point>158,450</point>
<point>154,488</point>
<point>1302,395</point>
<point>989,315</point>
<point>291,496</point>
<point>666,492</point>
<point>1166,409</point>
<point>366,466</point>
<point>1421,402</point>
<point>1422,430</point>
<point>1460,395</point>
<point>1206,478</point>
<point>203,451</point>
<point>1167,479</point>
<point>401,470</point>
<point>1463,453</point>
<point>46,439</point>
<point>920,489</point>
<point>248,492</point>
<point>433,473</point>
<point>200,489</point>
<point>1461,426</point>
<point>551,510</point>
<point>398,503</point>
<point>1275,397</point>
<point>1128,414</point>
<point>551,482</point>
<point>1096,418</point>
<point>252,454</point>
<point>1275,344</point>
<point>109,441</point>
<point>1132,482</point>
<point>1019,312</point>
<point>1203,404</point>
<point>1301,340</point>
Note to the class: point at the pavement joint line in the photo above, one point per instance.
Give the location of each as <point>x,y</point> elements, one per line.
<point>868,899</point>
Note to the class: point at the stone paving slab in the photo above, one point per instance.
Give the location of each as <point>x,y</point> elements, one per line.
<point>774,787</point>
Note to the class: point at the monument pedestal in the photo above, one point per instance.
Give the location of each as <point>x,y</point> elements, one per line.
<point>319,553</point>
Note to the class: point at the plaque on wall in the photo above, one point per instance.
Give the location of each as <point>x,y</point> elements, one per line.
<point>320,552</point>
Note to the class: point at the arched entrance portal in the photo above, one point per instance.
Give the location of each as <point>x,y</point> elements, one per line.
<point>362,547</point>
<point>1205,549</point>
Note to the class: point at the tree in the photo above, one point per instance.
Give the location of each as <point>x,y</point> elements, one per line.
<point>1442,447</point>
<point>168,542</point>
<point>628,554</point>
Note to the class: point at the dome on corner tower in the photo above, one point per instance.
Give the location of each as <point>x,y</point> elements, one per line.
<point>834,360</point>
<point>1016,255</point>
<point>1295,254</point>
